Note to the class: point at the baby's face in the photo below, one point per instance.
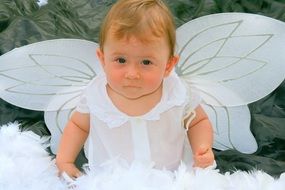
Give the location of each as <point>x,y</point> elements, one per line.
<point>135,68</point>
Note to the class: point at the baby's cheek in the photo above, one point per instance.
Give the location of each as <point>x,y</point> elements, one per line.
<point>153,81</point>
<point>114,78</point>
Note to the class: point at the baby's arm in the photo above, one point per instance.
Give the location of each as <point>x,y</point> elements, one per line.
<point>200,134</point>
<point>74,135</point>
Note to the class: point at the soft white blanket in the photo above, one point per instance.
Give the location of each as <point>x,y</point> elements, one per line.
<point>25,165</point>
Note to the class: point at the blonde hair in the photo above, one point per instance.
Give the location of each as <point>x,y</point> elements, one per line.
<point>142,18</point>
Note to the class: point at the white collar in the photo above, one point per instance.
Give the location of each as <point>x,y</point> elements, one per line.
<point>174,94</point>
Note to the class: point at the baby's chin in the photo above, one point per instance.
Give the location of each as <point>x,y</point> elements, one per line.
<point>132,93</point>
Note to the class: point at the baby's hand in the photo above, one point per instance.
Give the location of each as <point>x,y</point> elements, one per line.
<point>203,157</point>
<point>70,169</point>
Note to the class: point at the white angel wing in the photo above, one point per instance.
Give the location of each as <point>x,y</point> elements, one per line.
<point>56,121</point>
<point>229,131</point>
<point>49,76</point>
<point>232,59</point>
<point>54,71</point>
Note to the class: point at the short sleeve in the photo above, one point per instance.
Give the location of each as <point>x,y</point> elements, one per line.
<point>82,106</point>
<point>189,110</point>
<point>193,102</point>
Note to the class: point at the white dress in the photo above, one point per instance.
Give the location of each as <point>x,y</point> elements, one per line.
<point>157,136</point>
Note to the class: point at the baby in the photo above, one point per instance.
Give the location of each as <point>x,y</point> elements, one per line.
<point>139,109</point>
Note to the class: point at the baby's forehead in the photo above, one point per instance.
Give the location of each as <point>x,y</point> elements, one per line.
<point>132,43</point>
<point>133,37</point>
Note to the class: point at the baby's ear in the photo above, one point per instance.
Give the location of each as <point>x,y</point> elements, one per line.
<point>100,56</point>
<point>171,64</point>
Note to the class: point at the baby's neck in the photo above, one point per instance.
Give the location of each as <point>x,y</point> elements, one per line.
<point>138,106</point>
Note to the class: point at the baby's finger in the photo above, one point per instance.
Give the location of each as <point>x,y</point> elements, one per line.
<point>203,161</point>
<point>201,164</point>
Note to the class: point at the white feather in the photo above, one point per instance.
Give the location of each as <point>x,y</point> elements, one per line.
<point>25,165</point>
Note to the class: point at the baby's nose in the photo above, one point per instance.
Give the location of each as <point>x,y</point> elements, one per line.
<point>133,73</point>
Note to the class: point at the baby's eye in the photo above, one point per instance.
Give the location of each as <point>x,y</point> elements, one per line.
<point>146,62</point>
<point>121,60</point>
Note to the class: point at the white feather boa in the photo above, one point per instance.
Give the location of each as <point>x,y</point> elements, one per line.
<point>25,165</point>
